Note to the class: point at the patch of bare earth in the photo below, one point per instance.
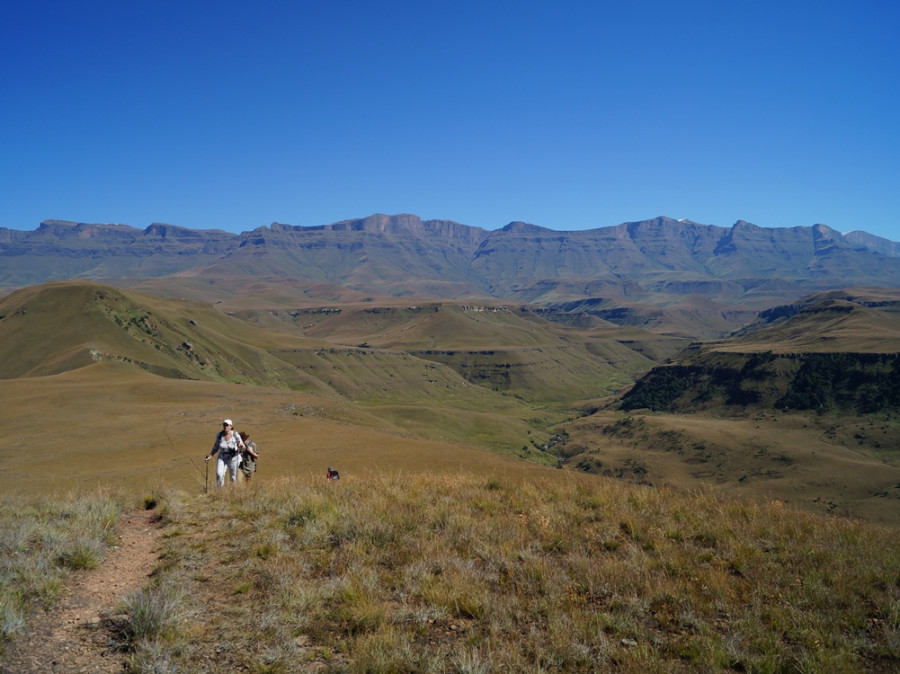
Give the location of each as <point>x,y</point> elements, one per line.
<point>70,637</point>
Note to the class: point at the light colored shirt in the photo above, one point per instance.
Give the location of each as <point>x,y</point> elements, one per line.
<point>225,445</point>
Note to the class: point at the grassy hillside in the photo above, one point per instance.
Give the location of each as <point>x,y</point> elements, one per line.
<point>413,572</point>
<point>435,385</point>
<point>62,326</point>
<point>503,348</point>
<point>844,465</point>
<point>113,424</point>
<point>103,386</point>
<point>667,542</point>
<point>57,327</point>
<point>861,320</point>
<point>804,408</point>
<point>54,329</point>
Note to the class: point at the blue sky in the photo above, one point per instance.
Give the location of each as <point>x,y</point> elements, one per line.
<point>568,115</point>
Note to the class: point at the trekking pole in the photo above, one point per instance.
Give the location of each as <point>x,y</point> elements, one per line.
<point>206,487</point>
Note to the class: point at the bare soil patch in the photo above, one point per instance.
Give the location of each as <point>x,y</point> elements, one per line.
<point>70,637</point>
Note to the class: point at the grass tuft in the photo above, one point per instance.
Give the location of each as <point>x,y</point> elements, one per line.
<point>41,542</point>
<point>152,617</point>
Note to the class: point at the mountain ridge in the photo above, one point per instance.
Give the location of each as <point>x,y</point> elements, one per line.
<point>660,262</point>
<point>382,222</point>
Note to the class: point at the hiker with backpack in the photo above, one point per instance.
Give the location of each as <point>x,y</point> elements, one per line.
<point>249,457</point>
<point>228,445</point>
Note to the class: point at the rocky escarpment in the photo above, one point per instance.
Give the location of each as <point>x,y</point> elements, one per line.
<point>659,261</point>
<point>60,250</point>
<point>822,382</point>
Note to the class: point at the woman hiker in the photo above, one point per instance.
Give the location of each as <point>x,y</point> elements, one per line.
<point>229,446</point>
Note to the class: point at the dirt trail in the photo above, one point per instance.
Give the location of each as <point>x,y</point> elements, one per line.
<point>69,637</point>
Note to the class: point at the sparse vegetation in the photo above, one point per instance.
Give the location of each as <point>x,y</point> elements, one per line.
<point>41,542</point>
<point>473,574</point>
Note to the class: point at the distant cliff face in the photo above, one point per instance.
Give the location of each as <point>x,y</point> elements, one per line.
<point>654,261</point>
<point>59,250</point>
<point>875,244</point>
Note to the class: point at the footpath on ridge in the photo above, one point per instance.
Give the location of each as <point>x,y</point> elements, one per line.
<point>70,637</point>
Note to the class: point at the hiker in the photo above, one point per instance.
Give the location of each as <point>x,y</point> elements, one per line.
<point>229,445</point>
<point>332,474</point>
<point>249,457</point>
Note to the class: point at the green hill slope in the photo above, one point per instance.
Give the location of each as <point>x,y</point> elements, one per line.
<point>62,326</point>
<point>102,337</point>
<point>504,348</point>
<point>805,407</point>
<point>81,360</point>
<point>857,320</point>
<point>357,351</point>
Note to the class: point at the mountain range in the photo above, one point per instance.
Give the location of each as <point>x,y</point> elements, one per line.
<point>676,276</point>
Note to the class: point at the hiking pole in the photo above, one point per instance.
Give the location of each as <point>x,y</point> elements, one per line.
<point>206,486</point>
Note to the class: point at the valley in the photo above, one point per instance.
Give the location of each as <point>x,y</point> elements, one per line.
<point>110,386</point>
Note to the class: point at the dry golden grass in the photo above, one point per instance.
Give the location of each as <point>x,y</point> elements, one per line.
<point>818,463</point>
<point>478,573</point>
<point>858,320</point>
<point>113,425</point>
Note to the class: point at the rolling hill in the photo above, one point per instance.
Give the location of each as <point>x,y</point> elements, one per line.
<point>57,327</point>
<point>61,326</point>
<point>475,383</point>
<point>510,349</point>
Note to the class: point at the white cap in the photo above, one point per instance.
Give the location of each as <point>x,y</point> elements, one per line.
<point>228,421</point>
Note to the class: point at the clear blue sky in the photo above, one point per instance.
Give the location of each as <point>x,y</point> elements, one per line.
<point>568,115</point>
